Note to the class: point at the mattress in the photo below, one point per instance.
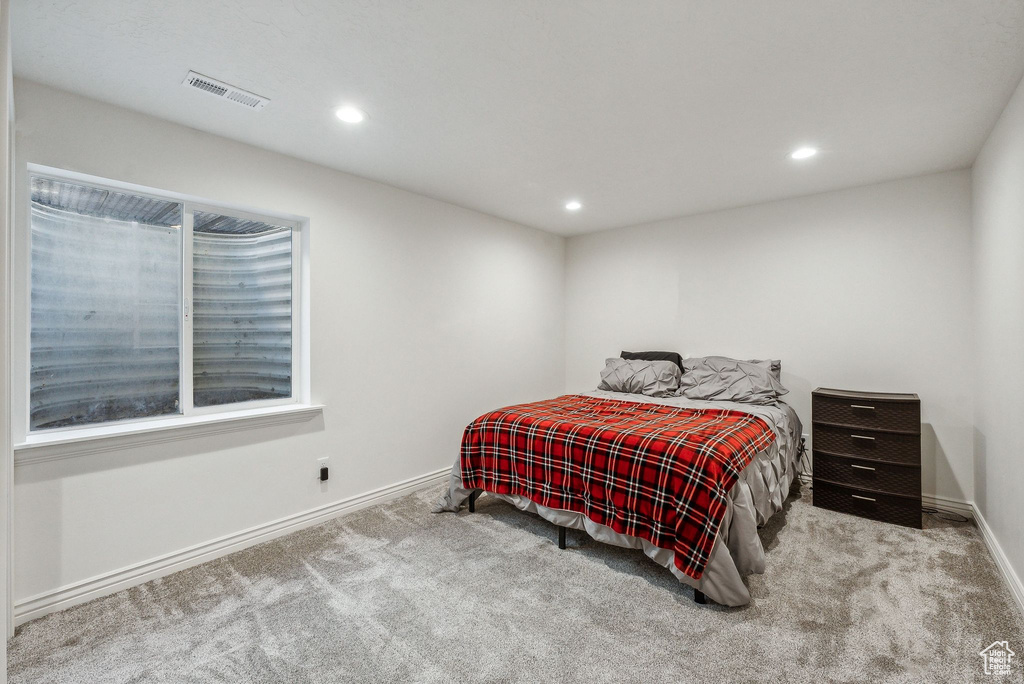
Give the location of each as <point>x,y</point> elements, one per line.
<point>758,494</point>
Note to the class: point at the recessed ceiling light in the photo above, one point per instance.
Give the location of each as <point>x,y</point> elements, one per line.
<point>350,114</point>
<point>803,153</point>
<point>573,205</point>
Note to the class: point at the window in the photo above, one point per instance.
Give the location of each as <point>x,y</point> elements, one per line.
<point>242,310</point>
<point>145,305</point>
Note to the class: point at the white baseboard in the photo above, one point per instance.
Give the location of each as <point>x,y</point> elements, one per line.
<point>108,583</point>
<point>943,503</point>
<point>86,590</point>
<point>970,510</point>
<point>1002,562</point>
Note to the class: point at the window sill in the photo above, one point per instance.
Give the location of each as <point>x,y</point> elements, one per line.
<point>56,446</point>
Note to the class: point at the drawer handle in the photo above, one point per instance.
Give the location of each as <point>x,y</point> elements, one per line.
<point>862,437</point>
<point>863,498</point>
<point>860,467</point>
<point>861,406</point>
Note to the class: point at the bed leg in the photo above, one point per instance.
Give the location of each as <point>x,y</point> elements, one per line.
<point>472,500</point>
<point>699,597</point>
<point>561,537</point>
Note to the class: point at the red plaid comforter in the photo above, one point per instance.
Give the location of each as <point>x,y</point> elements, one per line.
<point>656,472</point>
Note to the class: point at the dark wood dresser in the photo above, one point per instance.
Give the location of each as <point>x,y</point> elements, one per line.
<point>867,454</point>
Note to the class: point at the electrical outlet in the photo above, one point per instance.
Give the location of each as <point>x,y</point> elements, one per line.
<point>323,465</point>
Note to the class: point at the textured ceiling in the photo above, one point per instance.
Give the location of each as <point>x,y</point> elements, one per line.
<point>640,109</point>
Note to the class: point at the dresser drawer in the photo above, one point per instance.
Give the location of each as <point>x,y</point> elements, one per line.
<point>868,504</point>
<point>867,413</point>
<point>879,477</point>
<point>883,446</point>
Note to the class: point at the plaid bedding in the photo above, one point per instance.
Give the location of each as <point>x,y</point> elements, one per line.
<point>656,472</point>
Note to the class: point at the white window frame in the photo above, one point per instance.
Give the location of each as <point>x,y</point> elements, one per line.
<point>228,415</point>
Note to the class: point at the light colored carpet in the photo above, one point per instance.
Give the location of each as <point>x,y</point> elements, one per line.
<point>394,593</point>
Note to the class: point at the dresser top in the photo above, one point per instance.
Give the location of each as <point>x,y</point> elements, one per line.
<point>872,396</point>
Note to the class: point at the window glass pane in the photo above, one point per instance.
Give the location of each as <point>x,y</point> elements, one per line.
<point>106,297</point>
<point>242,304</point>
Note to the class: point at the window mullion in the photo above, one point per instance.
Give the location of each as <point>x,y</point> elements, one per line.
<point>296,341</point>
<point>188,307</point>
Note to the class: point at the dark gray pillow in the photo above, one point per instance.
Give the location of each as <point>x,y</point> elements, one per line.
<point>718,378</point>
<point>674,357</point>
<point>775,365</point>
<point>637,376</point>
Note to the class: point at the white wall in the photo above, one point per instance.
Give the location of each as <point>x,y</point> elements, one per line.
<point>865,289</point>
<point>424,315</point>
<point>999,331</point>
<point>6,116</point>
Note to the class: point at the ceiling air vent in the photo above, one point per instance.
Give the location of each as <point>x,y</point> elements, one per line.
<point>225,91</point>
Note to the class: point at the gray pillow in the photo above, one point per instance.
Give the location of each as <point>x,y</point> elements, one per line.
<point>717,378</point>
<point>637,376</point>
<point>775,365</point>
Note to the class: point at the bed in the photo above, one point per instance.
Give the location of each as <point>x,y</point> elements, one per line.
<point>711,540</point>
